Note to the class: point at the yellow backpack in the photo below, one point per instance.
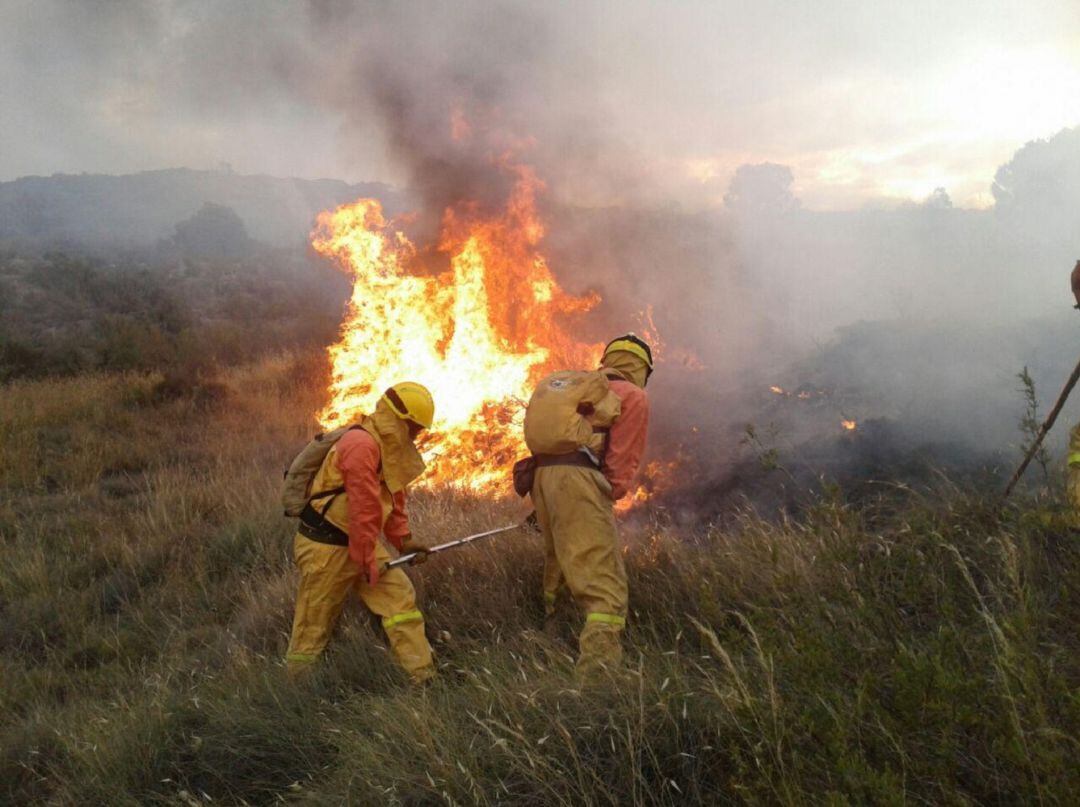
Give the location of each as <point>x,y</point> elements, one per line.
<point>570,410</point>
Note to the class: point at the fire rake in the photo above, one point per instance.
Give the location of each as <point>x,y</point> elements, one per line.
<point>1047,425</point>
<point>406,560</point>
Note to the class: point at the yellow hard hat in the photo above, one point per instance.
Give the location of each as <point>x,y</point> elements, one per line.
<point>632,343</point>
<point>411,401</point>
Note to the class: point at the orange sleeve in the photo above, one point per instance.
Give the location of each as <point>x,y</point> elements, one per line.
<point>396,527</point>
<point>358,459</point>
<point>626,440</point>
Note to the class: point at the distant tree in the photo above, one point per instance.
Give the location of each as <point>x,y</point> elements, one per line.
<point>938,200</point>
<point>1040,185</point>
<point>761,189</point>
<point>214,231</point>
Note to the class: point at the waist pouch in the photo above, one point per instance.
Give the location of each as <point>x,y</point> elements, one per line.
<point>525,470</point>
<point>314,526</point>
<point>524,475</point>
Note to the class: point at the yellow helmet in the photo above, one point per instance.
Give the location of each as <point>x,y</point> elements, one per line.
<point>411,401</point>
<point>632,343</point>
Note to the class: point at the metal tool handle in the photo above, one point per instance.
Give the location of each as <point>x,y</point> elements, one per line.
<point>406,560</point>
<point>1047,425</point>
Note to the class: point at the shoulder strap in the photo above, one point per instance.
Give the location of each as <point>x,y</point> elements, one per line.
<point>338,490</point>
<point>332,491</point>
<point>323,494</point>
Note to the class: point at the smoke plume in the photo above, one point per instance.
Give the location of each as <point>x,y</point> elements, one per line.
<point>918,314</point>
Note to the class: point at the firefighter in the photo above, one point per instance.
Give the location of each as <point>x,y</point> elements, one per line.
<point>337,547</point>
<point>574,495</point>
<point>1073,457</point>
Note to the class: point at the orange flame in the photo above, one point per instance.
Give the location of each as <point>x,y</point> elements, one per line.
<point>478,335</point>
<point>849,425</point>
<point>658,476</point>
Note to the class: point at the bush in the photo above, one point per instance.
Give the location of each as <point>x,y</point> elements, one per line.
<point>19,360</point>
<point>126,344</point>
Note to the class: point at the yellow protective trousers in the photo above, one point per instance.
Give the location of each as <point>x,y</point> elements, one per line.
<point>327,575</point>
<point>1072,472</point>
<point>574,508</point>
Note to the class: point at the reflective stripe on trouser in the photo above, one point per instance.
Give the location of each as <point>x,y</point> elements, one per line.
<point>327,575</point>
<point>574,508</point>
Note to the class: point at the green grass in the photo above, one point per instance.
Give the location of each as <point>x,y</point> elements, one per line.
<point>916,649</point>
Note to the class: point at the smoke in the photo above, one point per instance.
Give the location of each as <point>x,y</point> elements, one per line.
<point>911,320</point>
<point>456,91</point>
<point>748,284</point>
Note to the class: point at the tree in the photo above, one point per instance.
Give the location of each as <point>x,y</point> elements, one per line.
<point>1040,185</point>
<point>938,200</point>
<point>761,189</point>
<point>214,231</point>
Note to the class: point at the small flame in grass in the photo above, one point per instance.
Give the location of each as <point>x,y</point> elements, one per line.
<point>657,477</point>
<point>804,394</point>
<point>801,394</point>
<point>632,499</point>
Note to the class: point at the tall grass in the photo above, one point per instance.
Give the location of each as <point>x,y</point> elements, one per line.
<point>916,649</point>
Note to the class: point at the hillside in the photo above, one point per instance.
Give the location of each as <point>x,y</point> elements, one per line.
<point>62,314</point>
<point>917,647</point>
<point>95,210</point>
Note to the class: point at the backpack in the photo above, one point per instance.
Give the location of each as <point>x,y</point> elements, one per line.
<point>570,410</point>
<point>296,492</point>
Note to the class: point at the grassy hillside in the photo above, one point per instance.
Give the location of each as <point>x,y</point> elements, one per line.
<point>64,314</point>
<point>919,648</point>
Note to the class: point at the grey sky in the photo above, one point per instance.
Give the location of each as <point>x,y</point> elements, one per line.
<point>862,98</point>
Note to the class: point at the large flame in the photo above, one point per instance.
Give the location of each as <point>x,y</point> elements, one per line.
<point>478,335</point>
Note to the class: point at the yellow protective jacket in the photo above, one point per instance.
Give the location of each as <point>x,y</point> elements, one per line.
<point>367,506</point>
<point>373,464</point>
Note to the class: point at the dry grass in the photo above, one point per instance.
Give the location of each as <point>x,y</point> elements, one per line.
<point>908,651</point>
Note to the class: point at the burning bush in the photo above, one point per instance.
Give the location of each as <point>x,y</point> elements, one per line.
<point>478,334</point>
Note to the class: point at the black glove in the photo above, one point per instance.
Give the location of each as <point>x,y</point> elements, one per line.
<point>410,545</point>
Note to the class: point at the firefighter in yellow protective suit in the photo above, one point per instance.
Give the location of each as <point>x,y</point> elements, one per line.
<point>338,549</point>
<point>574,498</point>
<point>1073,473</point>
<point>1073,457</point>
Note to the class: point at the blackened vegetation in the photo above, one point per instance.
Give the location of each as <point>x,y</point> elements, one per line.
<point>929,402</point>
<point>880,459</point>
